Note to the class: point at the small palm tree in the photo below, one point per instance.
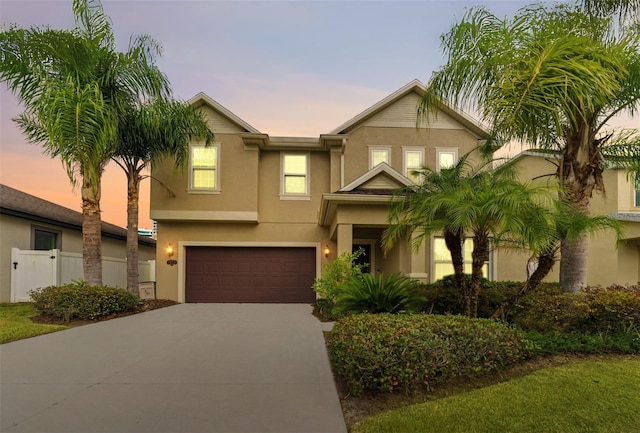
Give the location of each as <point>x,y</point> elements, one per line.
<point>419,210</point>
<point>482,202</point>
<point>146,134</point>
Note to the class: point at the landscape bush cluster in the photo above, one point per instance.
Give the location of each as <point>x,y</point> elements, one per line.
<point>80,301</point>
<point>386,352</point>
<point>595,310</point>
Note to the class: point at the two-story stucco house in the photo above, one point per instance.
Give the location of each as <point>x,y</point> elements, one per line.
<point>255,217</point>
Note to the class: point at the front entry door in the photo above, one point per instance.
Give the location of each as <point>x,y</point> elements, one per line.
<point>365,259</point>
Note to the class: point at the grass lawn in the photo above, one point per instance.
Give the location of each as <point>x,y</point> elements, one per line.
<point>15,323</point>
<point>594,396</point>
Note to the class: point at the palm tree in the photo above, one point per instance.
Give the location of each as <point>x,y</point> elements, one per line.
<point>146,134</point>
<point>419,210</point>
<point>542,234</point>
<point>74,85</point>
<point>553,77</point>
<point>482,202</point>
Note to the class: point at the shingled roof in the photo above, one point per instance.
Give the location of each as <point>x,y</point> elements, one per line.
<point>20,204</point>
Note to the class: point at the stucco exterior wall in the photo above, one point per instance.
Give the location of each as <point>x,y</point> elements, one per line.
<point>356,153</point>
<point>608,263</point>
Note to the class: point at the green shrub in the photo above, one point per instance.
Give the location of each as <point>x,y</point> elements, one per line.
<point>337,273</point>
<point>552,343</point>
<point>388,352</point>
<point>395,293</point>
<point>592,311</point>
<point>79,301</point>
<point>444,296</point>
<point>610,309</point>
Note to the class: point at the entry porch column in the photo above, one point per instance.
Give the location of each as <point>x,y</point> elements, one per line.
<point>345,238</point>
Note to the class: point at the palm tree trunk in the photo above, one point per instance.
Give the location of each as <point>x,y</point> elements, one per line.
<point>545,264</point>
<point>453,241</point>
<point>91,232</point>
<point>574,264</point>
<point>580,174</point>
<point>133,193</point>
<point>479,256</point>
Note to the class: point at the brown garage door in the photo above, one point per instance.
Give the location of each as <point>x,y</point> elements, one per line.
<point>250,274</point>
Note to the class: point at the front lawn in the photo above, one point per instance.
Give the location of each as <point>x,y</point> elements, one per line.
<point>16,324</point>
<point>594,396</point>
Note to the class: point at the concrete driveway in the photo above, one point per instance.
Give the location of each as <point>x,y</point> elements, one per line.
<point>186,368</point>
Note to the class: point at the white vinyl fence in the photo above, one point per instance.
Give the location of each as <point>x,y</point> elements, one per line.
<point>34,269</point>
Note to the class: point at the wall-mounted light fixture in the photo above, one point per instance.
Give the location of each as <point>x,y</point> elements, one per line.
<point>326,251</point>
<point>170,252</point>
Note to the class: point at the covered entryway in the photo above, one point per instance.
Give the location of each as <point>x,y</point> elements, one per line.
<point>250,274</point>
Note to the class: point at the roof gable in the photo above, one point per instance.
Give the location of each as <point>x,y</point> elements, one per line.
<point>220,119</point>
<point>400,110</point>
<point>380,178</point>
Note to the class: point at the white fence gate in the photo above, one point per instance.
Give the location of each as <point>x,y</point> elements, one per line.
<point>34,269</point>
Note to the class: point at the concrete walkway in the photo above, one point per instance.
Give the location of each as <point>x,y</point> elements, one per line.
<point>186,368</point>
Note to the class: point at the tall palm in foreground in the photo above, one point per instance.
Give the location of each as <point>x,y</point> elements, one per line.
<point>74,85</point>
<point>550,76</point>
<point>146,134</point>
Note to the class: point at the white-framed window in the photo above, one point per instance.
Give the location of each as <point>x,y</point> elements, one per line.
<point>446,158</point>
<point>295,176</point>
<point>636,192</point>
<point>378,155</point>
<point>413,159</point>
<point>204,173</point>
<point>442,265</point>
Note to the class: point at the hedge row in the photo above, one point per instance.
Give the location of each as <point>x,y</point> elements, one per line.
<point>386,352</point>
<point>83,302</point>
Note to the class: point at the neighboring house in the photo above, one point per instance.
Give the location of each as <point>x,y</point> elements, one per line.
<point>254,218</point>
<point>31,223</point>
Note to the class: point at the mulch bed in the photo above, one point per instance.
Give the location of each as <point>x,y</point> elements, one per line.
<point>147,305</point>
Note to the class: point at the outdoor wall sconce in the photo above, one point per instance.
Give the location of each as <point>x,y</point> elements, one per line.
<point>327,251</point>
<point>170,252</point>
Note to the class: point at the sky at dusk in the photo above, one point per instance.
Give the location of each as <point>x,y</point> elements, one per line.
<point>293,68</point>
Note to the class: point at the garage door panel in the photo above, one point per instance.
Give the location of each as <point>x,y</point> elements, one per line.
<point>250,274</point>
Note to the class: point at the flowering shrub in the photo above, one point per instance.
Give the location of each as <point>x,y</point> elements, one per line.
<point>389,352</point>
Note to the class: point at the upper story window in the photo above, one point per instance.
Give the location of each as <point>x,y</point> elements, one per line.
<point>45,239</point>
<point>295,176</point>
<point>413,160</point>
<point>204,168</point>
<point>378,155</point>
<point>446,158</point>
<point>636,192</point>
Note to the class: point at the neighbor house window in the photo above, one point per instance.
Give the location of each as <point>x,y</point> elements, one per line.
<point>636,192</point>
<point>378,155</point>
<point>295,175</point>
<point>446,158</point>
<point>203,163</point>
<point>442,265</point>
<point>413,160</point>
<point>45,239</point>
